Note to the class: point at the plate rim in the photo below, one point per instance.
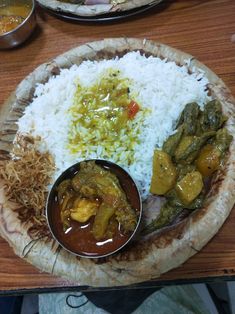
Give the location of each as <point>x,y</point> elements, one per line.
<point>104,17</point>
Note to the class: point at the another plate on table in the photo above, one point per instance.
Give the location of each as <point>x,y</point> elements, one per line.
<point>97,13</point>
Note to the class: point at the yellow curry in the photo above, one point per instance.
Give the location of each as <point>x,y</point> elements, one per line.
<point>12,16</point>
<point>9,22</point>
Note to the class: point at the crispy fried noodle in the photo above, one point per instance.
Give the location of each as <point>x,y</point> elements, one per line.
<point>26,177</point>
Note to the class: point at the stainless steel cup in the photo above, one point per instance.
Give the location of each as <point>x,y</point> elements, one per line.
<point>21,32</point>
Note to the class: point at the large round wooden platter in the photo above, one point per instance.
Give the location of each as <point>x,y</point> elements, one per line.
<point>147,258</point>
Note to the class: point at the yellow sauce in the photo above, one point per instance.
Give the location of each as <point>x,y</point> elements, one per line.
<point>12,16</point>
<point>9,22</point>
<point>105,101</point>
<point>102,116</point>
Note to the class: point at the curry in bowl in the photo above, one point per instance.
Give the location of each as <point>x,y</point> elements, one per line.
<point>13,14</point>
<point>94,208</point>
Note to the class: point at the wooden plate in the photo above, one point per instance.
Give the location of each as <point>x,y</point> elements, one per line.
<point>101,13</point>
<point>149,257</point>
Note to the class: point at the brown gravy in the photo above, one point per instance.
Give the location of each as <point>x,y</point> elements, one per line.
<point>79,238</point>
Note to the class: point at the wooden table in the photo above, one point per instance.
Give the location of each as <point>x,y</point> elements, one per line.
<point>205,29</point>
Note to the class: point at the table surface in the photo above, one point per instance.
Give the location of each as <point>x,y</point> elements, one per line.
<point>205,29</point>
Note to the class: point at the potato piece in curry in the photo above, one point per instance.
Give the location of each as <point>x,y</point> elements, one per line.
<point>165,173</point>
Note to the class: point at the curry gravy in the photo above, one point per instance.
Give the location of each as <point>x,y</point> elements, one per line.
<point>12,16</point>
<point>78,237</point>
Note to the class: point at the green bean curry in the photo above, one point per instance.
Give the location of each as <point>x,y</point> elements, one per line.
<point>183,168</point>
<point>95,214</point>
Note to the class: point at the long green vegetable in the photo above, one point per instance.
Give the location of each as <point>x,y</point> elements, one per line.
<point>195,129</point>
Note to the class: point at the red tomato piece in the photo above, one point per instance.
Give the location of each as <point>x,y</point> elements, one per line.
<point>133,108</point>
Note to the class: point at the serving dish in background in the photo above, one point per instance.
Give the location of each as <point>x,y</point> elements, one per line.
<point>101,17</point>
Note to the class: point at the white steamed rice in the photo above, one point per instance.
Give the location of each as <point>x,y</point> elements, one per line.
<point>162,86</point>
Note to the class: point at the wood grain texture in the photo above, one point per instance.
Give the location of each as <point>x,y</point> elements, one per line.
<point>204,29</point>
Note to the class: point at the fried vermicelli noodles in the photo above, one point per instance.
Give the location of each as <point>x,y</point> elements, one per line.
<point>26,177</point>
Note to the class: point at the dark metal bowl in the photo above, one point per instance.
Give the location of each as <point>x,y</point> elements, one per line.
<point>19,34</point>
<point>128,185</point>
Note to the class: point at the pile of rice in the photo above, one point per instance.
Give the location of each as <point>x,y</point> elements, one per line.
<point>163,87</point>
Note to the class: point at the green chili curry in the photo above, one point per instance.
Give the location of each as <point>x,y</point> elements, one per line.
<point>188,160</point>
